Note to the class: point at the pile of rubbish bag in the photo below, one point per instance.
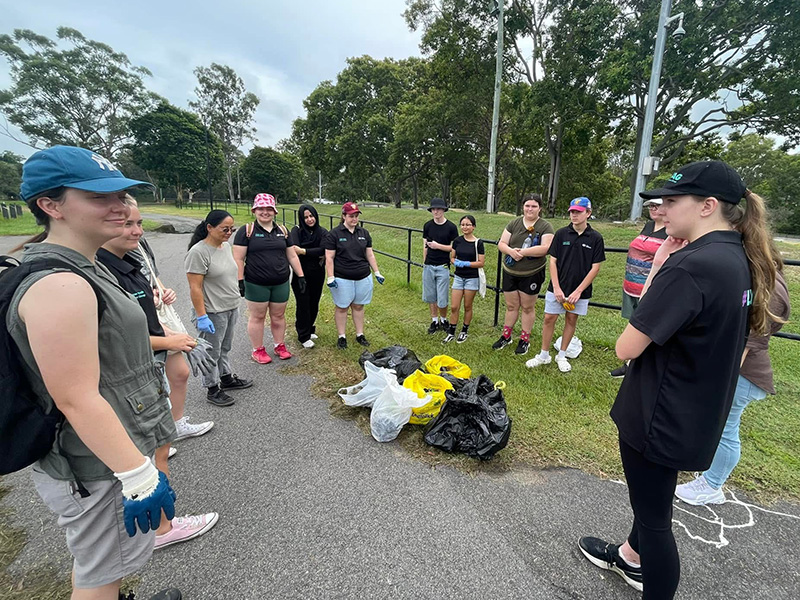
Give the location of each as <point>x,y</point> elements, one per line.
<point>460,413</point>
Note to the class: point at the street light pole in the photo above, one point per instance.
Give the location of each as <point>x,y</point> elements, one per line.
<point>644,167</point>
<point>498,77</point>
<point>208,173</point>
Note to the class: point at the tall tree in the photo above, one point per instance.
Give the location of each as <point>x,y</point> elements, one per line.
<point>227,108</point>
<point>170,146</point>
<point>84,95</point>
<point>271,171</point>
<point>10,174</point>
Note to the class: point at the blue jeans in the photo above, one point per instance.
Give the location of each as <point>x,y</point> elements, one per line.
<point>730,448</point>
<point>436,284</point>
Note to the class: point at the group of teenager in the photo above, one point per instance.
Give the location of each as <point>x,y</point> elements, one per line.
<point>95,344</point>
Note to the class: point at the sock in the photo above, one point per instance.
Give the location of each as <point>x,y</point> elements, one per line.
<point>359,334</point>
<point>255,349</point>
<point>435,320</point>
<point>452,328</point>
<point>274,345</point>
<point>213,389</point>
<point>544,354</point>
<point>627,562</point>
<point>342,336</point>
<point>464,327</point>
<point>525,336</point>
<point>562,354</point>
<point>227,377</point>
<point>506,331</point>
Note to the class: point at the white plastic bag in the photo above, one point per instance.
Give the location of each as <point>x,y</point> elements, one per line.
<point>573,350</point>
<point>392,410</point>
<point>365,393</point>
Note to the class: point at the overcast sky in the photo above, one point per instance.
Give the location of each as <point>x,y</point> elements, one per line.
<point>282,50</point>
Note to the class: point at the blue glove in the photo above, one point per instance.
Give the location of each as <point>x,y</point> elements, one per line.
<point>461,263</point>
<point>332,282</point>
<point>379,278</point>
<point>145,492</point>
<point>205,324</point>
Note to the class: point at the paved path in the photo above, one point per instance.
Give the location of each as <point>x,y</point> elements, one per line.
<point>311,507</point>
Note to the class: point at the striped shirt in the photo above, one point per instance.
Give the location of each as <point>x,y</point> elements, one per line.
<point>641,252</point>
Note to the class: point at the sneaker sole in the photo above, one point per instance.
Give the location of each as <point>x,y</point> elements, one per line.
<point>698,502</point>
<point>213,403</point>
<point>597,562</point>
<point>521,353</point>
<point>259,362</point>
<point>196,534</point>
<point>236,387</point>
<point>196,434</point>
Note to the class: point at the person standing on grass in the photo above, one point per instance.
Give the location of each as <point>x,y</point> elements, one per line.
<point>117,258</point>
<point>639,262</point>
<point>685,344</point>
<point>214,291</point>
<point>525,242</point>
<point>437,237</point>
<point>306,239</point>
<point>754,383</point>
<point>575,256</point>
<point>263,253</point>
<point>84,345</point>
<point>348,260</point>
<point>468,255</point>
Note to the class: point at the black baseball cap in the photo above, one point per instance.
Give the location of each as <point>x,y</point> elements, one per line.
<point>705,178</point>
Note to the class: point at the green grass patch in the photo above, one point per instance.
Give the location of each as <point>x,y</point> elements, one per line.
<point>559,419</point>
<point>22,225</point>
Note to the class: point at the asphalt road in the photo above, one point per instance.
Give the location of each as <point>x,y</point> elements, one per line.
<point>311,507</point>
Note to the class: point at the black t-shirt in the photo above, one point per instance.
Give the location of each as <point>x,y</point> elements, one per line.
<point>466,251</point>
<point>127,272</point>
<point>266,262</point>
<point>314,258</point>
<point>575,254</point>
<point>444,234</point>
<point>676,395</point>
<point>350,261</point>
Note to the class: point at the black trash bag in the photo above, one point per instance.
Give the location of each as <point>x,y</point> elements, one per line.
<point>401,359</point>
<point>456,382</point>
<point>473,420</point>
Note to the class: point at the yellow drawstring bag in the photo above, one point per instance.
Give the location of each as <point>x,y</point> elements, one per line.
<point>447,364</point>
<point>424,385</point>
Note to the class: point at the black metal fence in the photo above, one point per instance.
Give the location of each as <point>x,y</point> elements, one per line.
<point>496,286</point>
<point>10,211</point>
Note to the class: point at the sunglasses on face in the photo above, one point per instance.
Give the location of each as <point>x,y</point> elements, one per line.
<point>227,229</point>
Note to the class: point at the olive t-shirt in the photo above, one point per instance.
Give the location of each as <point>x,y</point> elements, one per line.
<point>220,286</point>
<point>530,264</point>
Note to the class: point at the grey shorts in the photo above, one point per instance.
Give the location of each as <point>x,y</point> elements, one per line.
<point>96,536</point>
<point>553,307</point>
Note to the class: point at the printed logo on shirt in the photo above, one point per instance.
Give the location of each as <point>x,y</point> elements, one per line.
<point>361,237</point>
<point>259,235</point>
<point>676,177</point>
<point>342,239</point>
<point>586,246</point>
<point>565,243</point>
<point>139,295</point>
<point>747,298</point>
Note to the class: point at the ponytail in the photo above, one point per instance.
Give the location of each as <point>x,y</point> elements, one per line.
<point>762,255</point>
<point>214,218</point>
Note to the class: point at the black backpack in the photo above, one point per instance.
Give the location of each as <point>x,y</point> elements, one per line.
<point>27,433</point>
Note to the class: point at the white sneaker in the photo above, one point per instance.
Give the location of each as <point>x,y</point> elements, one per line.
<point>699,493</point>
<point>563,364</point>
<point>187,430</point>
<point>538,361</point>
<point>308,344</point>
<point>172,451</point>
<point>314,336</point>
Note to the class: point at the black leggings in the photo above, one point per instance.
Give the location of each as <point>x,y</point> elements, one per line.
<point>307,304</point>
<point>650,488</point>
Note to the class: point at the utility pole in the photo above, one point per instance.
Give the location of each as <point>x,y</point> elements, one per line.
<point>208,173</point>
<point>497,9</point>
<point>647,164</point>
<point>319,173</point>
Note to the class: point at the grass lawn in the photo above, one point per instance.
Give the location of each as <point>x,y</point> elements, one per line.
<point>26,224</point>
<point>559,419</point>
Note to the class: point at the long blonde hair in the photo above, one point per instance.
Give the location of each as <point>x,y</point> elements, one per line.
<point>762,255</point>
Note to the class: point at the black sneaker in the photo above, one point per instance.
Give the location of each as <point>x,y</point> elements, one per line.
<point>219,398</point>
<point>444,325</point>
<point>171,594</point>
<point>362,340</point>
<point>620,372</point>
<point>501,343</point>
<point>462,337</point>
<point>522,347</point>
<point>341,344</point>
<point>433,328</point>
<point>606,556</point>
<point>234,382</point>
<point>448,338</point>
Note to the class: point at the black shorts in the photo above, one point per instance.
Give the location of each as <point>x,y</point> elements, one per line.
<point>528,284</point>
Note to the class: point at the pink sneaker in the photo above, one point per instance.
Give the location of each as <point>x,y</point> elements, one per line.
<point>282,352</point>
<point>260,356</point>
<point>186,528</point>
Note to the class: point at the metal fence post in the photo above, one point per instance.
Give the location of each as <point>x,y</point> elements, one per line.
<point>408,264</point>
<point>497,287</point>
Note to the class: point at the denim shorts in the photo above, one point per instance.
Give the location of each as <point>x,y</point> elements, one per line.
<point>553,307</point>
<point>472,284</point>
<point>101,549</point>
<point>349,291</point>
<point>436,285</point>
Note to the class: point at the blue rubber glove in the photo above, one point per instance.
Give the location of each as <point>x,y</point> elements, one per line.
<point>205,324</point>
<point>379,278</point>
<point>145,493</point>
<point>461,263</point>
<point>332,282</point>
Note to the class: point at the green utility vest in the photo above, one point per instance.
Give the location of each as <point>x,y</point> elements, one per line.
<point>129,379</point>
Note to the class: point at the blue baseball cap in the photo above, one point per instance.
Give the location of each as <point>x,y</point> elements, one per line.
<point>581,204</point>
<point>68,166</point>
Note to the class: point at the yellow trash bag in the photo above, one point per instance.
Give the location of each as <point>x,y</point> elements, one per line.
<point>425,385</point>
<point>447,364</point>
